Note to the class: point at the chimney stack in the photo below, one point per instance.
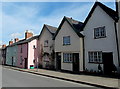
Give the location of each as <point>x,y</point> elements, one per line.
<point>28,34</point>
<point>4,45</point>
<point>16,39</point>
<point>10,42</point>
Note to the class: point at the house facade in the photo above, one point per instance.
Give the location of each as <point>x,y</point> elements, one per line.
<point>11,54</point>
<point>27,51</point>
<point>100,43</point>
<point>69,46</point>
<point>118,29</point>
<point>0,54</point>
<point>3,54</point>
<point>46,47</point>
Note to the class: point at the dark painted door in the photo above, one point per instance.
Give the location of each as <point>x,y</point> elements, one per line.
<point>26,63</point>
<point>58,61</point>
<point>107,62</point>
<point>76,62</point>
<point>12,61</point>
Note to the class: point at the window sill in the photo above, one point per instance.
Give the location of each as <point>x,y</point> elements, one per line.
<point>66,44</point>
<point>67,62</point>
<point>100,37</point>
<point>45,46</point>
<point>96,62</point>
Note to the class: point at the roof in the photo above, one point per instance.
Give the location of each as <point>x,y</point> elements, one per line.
<point>76,25</point>
<point>109,11</point>
<point>23,41</point>
<point>51,29</point>
<point>28,40</point>
<point>15,43</point>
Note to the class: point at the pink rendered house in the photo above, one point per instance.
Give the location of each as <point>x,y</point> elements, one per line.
<point>27,51</point>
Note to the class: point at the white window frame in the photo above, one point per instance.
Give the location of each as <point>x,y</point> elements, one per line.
<point>66,40</point>
<point>95,56</point>
<point>67,57</point>
<point>99,32</point>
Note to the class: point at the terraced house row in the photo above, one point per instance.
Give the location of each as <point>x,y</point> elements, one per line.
<point>92,46</point>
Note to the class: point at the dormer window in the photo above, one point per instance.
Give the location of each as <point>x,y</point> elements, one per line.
<point>99,32</point>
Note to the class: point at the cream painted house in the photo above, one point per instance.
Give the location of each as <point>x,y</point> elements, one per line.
<point>118,30</point>
<point>101,51</point>
<point>46,47</point>
<point>69,45</point>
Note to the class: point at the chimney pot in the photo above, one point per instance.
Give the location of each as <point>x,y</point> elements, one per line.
<point>4,45</point>
<point>28,34</point>
<point>16,39</point>
<point>10,42</point>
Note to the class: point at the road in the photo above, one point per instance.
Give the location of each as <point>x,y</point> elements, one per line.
<point>14,78</point>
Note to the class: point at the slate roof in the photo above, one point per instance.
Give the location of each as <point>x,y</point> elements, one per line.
<point>109,11</point>
<point>15,43</point>
<point>51,29</point>
<point>28,40</point>
<point>76,25</point>
<point>23,41</point>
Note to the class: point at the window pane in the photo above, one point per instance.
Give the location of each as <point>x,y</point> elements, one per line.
<point>99,32</point>
<point>95,56</point>
<point>66,40</point>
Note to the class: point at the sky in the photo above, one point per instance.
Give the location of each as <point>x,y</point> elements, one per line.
<point>17,17</point>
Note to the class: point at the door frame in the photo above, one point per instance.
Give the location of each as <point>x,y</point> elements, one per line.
<point>76,68</point>
<point>58,61</point>
<point>105,64</point>
<point>25,63</point>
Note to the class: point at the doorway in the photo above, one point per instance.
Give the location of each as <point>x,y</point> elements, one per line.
<point>26,63</point>
<point>58,61</point>
<point>76,62</point>
<point>107,62</point>
<point>12,61</point>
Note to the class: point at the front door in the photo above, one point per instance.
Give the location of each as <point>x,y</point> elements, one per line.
<point>58,61</point>
<point>26,63</point>
<point>12,61</point>
<point>76,62</point>
<point>107,62</point>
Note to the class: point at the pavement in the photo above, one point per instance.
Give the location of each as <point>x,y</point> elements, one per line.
<point>96,81</point>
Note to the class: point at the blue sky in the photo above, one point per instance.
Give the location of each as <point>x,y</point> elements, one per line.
<point>17,17</point>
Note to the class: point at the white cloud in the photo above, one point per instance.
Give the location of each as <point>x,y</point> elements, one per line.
<point>16,35</point>
<point>0,42</point>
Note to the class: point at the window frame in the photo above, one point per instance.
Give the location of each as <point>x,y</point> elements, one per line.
<point>99,31</point>
<point>21,49</point>
<point>64,39</point>
<point>46,41</point>
<point>97,57</point>
<point>67,57</point>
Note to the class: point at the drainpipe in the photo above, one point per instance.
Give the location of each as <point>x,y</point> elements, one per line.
<point>117,42</point>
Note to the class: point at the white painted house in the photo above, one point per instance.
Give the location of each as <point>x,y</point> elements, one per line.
<point>69,45</point>
<point>118,29</point>
<point>101,51</point>
<point>46,47</point>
